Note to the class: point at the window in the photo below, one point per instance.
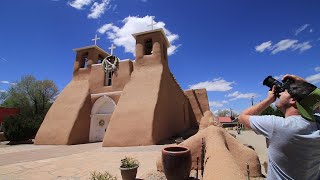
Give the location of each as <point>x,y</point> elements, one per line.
<point>148,47</point>
<point>108,79</point>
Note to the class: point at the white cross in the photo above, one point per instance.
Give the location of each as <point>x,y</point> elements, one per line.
<point>95,39</point>
<point>152,17</point>
<point>112,48</point>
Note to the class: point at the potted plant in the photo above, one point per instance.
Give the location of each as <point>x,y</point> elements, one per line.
<point>129,167</point>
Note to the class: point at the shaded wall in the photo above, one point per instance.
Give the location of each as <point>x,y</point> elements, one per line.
<point>68,119</point>
<point>199,102</point>
<point>152,106</point>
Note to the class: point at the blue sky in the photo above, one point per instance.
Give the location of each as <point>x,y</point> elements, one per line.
<point>226,46</point>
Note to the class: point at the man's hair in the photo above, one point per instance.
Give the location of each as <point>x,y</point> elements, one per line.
<point>300,90</point>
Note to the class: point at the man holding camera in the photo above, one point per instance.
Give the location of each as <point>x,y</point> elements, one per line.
<point>294,149</point>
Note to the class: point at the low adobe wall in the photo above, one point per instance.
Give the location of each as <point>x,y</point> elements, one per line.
<point>225,156</point>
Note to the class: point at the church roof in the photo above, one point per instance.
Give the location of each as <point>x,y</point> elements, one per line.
<point>151,31</point>
<point>92,46</point>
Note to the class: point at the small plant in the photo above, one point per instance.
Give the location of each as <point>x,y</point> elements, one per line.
<point>102,176</point>
<point>129,162</point>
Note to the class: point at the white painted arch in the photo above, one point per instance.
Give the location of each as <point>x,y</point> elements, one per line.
<point>104,105</point>
<point>100,117</point>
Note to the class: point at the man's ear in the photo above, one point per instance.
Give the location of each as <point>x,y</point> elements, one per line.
<point>293,102</point>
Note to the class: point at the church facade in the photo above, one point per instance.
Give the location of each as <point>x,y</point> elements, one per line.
<point>140,103</point>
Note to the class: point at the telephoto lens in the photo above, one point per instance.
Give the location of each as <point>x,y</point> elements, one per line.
<point>270,82</point>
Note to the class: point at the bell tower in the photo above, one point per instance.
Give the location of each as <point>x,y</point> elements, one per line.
<point>151,45</point>
<point>85,58</point>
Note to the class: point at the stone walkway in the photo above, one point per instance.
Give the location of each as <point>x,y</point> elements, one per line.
<point>76,162</point>
<point>71,162</point>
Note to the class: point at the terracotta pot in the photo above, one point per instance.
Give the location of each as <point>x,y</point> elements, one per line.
<point>176,162</point>
<point>129,173</point>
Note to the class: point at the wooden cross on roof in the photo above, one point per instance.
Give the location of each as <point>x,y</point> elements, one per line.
<point>112,48</point>
<point>152,22</point>
<point>95,39</point>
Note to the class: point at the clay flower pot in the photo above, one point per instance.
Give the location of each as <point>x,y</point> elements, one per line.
<point>176,162</point>
<point>129,173</point>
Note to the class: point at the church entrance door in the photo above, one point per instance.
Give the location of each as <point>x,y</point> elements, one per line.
<point>100,116</point>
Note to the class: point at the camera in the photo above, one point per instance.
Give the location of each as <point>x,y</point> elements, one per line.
<point>279,87</point>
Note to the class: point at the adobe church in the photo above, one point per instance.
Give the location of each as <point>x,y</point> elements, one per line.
<point>139,103</point>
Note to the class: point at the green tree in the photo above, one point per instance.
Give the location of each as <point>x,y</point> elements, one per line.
<point>272,110</point>
<point>33,98</point>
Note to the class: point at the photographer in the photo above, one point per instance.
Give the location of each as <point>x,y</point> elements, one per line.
<point>294,149</point>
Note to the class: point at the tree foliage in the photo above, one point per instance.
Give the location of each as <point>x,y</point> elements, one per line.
<point>272,110</point>
<point>226,113</point>
<point>33,98</point>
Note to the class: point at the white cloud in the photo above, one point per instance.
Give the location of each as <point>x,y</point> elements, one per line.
<point>302,28</point>
<point>98,9</point>
<point>283,45</point>
<point>3,59</point>
<point>122,36</point>
<point>263,46</point>
<point>5,82</point>
<point>311,30</point>
<point>314,79</point>
<point>215,104</point>
<point>317,69</point>
<point>79,4</point>
<point>1,90</point>
<point>215,85</point>
<point>302,46</point>
<point>237,95</point>
<point>114,7</point>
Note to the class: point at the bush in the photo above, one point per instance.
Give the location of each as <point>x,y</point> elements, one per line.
<point>129,162</point>
<point>102,176</point>
<point>20,128</point>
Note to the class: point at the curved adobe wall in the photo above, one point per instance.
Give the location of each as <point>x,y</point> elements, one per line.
<point>225,156</point>
<point>68,120</point>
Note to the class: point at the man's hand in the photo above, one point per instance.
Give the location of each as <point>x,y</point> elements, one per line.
<point>271,95</point>
<point>293,77</point>
<point>257,109</point>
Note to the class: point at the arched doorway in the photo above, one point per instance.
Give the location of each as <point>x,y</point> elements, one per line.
<point>100,116</point>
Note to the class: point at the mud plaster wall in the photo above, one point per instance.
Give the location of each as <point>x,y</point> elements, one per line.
<point>225,156</point>
<point>67,121</point>
<point>152,105</point>
<point>172,113</point>
<point>199,102</point>
<point>72,109</point>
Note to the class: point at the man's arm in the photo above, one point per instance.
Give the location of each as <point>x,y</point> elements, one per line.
<point>257,109</point>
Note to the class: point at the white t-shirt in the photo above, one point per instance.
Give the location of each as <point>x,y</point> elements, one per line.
<point>294,149</point>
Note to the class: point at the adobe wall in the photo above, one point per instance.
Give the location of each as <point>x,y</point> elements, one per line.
<point>199,102</point>
<point>225,157</point>
<point>68,119</point>
<point>119,79</point>
<point>152,106</point>
<point>173,113</point>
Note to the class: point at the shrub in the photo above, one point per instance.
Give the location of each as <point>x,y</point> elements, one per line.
<point>129,162</point>
<point>20,128</point>
<point>102,176</point>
